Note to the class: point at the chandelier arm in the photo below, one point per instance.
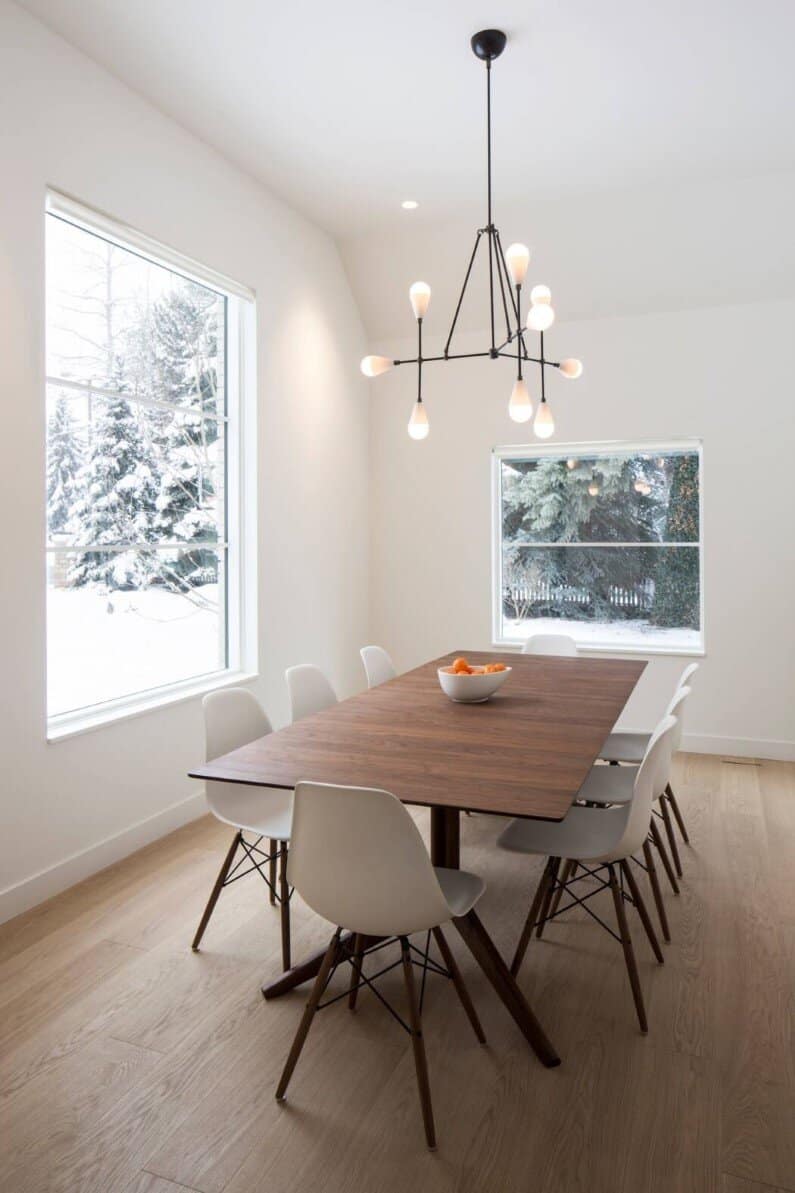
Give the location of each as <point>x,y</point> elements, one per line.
<point>518,336</point>
<point>419,360</point>
<point>502,280</point>
<point>535,360</point>
<point>463,290</point>
<point>515,305</point>
<point>413,360</point>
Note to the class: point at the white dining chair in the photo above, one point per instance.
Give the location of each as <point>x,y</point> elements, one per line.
<point>555,644</point>
<point>358,860</point>
<point>309,690</point>
<point>378,666</point>
<point>602,842</point>
<point>630,748</point>
<point>232,718</point>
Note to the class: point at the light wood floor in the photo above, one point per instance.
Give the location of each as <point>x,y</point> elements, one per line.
<point>131,1065</point>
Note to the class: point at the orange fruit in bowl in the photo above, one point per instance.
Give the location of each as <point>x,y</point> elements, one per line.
<point>460,664</point>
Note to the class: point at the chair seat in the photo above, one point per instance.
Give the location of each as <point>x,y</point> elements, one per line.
<point>609,785</point>
<point>587,834</point>
<point>625,747</point>
<point>460,888</point>
<point>266,811</point>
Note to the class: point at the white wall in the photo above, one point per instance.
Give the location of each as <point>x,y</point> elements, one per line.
<point>719,374</point>
<point>66,123</point>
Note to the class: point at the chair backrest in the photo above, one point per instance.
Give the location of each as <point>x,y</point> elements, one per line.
<point>677,709</point>
<point>309,690</point>
<point>559,644</point>
<point>687,675</point>
<point>377,665</point>
<point>650,781</point>
<point>358,860</point>
<point>232,718</point>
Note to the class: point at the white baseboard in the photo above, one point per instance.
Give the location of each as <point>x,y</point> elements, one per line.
<point>31,891</point>
<point>740,747</point>
<point>732,747</point>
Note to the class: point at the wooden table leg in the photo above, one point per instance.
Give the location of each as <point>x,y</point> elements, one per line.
<point>310,967</point>
<point>446,851</point>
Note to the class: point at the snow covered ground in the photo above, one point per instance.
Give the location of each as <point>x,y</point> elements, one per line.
<point>634,635</point>
<point>104,646</point>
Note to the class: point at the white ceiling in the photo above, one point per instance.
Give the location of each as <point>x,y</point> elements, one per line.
<point>344,110</point>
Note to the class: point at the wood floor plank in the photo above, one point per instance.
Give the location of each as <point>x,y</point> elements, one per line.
<point>133,1065</point>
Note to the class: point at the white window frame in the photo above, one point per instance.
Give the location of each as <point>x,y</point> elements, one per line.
<point>593,450</point>
<point>239,614</point>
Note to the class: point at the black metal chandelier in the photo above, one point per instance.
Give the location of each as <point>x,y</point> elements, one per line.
<point>507,273</point>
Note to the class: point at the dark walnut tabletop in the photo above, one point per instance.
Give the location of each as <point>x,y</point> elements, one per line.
<point>525,752</point>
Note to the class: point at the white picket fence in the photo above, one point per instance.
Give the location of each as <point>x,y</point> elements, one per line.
<point>638,598</point>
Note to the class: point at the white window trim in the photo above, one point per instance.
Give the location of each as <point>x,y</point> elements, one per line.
<point>238,620</point>
<point>605,448</point>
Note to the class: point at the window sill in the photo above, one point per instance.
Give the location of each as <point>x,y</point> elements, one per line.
<point>73,724</point>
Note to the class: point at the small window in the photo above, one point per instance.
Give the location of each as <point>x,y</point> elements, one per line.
<point>602,543</point>
<point>144,407</point>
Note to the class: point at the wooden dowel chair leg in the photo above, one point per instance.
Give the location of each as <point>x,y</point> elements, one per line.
<point>547,900</point>
<point>654,882</point>
<point>284,906</point>
<point>273,849</point>
<point>664,858</point>
<point>677,813</point>
<point>566,874</point>
<point>420,1063</point>
<point>669,832</point>
<point>356,971</point>
<point>527,930</point>
<point>310,1009</point>
<point>640,905</point>
<point>216,891</point>
<point>626,944</point>
<point>458,982</point>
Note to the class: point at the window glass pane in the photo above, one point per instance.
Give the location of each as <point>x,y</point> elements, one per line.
<point>123,622</point>
<point>618,594</point>
<point>120,322</point>
<point>136,472</point>
<point>632,498</point>
<point>122,472</point>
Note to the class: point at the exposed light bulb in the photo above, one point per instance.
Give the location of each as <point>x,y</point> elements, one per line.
<point>517,258</point>
<point>593,489</point>
<point>540,317</point>
<point>373,366</point>
<point>571,368</point>
<point>409,204</point>
<point>418,423</point>
<point>419,297</point>
<point>544,424</point>
<point>571,464</point>
<point>520,407</point>
<point>540,294</point>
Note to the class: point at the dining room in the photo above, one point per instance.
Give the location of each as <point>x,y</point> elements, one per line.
<point>399,725</point>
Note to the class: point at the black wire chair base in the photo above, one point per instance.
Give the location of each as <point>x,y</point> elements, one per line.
<point>420,958</point>
<point>259,859</point>
<point>561,888</point>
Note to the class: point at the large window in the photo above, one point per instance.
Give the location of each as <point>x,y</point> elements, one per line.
<point>600,542</point>
<point>144,561</point>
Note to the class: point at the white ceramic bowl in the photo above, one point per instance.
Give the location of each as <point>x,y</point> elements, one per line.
<point>471,689</point>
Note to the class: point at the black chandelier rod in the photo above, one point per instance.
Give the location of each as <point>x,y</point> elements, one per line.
<point>490,222</point>
<point>536,360</point>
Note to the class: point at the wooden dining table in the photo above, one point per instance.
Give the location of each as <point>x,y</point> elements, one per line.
<point>525,752</point>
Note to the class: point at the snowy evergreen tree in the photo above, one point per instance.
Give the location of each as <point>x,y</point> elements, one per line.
<point>117,487</point>
<point>677,596</point>
<point>185,358</point>
<point>64,459</point>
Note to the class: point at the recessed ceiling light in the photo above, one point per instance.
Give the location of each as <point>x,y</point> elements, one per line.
<point>409,204</point>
